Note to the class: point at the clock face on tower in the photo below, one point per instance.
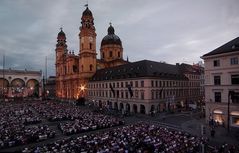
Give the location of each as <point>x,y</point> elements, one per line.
<point>90,39</point>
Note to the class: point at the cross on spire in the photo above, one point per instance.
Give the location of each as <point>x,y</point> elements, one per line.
<point>61,28</point>
<point>110,24</point>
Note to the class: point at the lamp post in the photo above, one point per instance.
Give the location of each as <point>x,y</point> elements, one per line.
<point>230,95</point>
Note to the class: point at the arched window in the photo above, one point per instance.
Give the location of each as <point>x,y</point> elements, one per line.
<point>111,53</point>
<point>103,55</point>
<point>90,45</point>
<point>82,68</point>
<point>91,67</point>
<point>118,54</point>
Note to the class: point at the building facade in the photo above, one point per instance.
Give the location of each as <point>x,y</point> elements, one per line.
<point>145,87</point>
<point>222,84</point>
<point>20,83</point>
<point>73,71</point>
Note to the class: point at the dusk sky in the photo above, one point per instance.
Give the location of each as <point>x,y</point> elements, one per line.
<point>173,31</point>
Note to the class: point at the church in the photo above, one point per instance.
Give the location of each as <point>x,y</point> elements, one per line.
<point>137,87</point>
<point>74,71</point>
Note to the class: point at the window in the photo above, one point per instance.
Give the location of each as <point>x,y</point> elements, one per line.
<point>142,83</point>
<point>91,67</point>
<point>152,83</point>
<point>136,93</point>
<point>122,84</point>
<point>90,45</point>
<point>235,79</point>
<point>217,96</point>
<point>217,80</point>
<point>103,55</point>
<point>152,94</point>
<point>118,54</point>
<point>235,97</point>
<point>234,61</point>
<point>111,53</point>
<point>216,63</point>
<point>142,95</point>
<point>136,83</point>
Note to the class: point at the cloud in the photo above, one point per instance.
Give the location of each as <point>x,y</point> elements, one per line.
<point>171,31</point>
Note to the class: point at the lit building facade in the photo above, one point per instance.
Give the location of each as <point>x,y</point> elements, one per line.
<point>222,78</point>
<point>74,71</point>
<point>20,83</point>
<point>145,87</point>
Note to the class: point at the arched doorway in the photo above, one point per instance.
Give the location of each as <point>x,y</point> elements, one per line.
<point>135,109</point>
<point>127,108</point>
<point>17,87</point>
<point>121,106</point>
<point>33,88</point>
<point>4,84</point>
<point>152,108</point>
<point>142,109</point>
<point>116,106</point>
<point>100,104</point>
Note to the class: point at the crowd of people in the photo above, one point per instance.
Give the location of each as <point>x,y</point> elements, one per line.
<point>14,131</point>
<point>88,123</point>
<point>139,138</point>
<point>79,120</point>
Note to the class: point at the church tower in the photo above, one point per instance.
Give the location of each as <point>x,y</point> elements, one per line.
<point>61,52</point>
<point>87,53</point>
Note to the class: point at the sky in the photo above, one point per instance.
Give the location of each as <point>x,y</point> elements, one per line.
<point>173,31</point>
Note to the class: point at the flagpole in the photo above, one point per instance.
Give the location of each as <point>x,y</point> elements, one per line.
<point>3,74</point>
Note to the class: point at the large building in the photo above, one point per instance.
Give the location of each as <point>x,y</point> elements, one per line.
<point>112,82</point>
<point>20,83</point>
<point>222,84</point>
<point>145,86</point>
<point>74,71</point>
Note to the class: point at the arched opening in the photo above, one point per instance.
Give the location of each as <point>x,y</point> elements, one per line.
<point>142,109</point>
<point>127,108</point>
<point>135,109</point>
<point>100,104</point>
<point>90,45</point>
<point>91,67</point>
<point>119,54</point>
<point>4,84</point>
<point>18,86</point>
<point>116,106</point>
<point>152,108</point>
<point>111,54</point>
<point>82,68</point>
<point>121,106</point>
<point>33,88</point>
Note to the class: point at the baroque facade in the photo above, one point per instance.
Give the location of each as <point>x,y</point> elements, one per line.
<point>222,79</point>
<point>74,71</point>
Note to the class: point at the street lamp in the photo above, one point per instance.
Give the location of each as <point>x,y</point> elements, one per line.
<point>230,95</point>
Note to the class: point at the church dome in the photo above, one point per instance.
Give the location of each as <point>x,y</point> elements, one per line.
<point>87,12</point>
<point>111,38</point>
